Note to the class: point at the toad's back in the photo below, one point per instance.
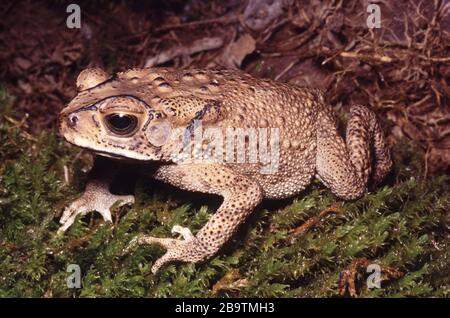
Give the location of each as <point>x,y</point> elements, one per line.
<point>263,104</point>
<point>294,112</point>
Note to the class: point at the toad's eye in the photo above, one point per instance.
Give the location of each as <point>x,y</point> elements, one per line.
<point>122,124</point>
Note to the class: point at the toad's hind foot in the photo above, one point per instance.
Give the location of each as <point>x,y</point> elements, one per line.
<point>189,249</point>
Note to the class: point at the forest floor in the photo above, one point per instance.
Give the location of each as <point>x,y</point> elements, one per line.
<point>310,246</point>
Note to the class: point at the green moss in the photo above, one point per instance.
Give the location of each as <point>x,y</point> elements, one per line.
<point>403,225</point>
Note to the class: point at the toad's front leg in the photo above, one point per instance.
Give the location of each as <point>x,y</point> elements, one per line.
<point>241,195</point>
<point>97,196</point>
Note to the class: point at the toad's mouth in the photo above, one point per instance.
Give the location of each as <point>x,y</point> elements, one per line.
<point>109,155</point>
<point>103,153</point>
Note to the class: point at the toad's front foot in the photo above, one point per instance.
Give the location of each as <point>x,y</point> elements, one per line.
<point>96,198</point>
<point>189,249</point>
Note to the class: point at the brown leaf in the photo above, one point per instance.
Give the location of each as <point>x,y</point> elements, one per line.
<point>22,63</point>
<point>235,53</point>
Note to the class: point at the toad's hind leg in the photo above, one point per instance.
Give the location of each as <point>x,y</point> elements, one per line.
<point>345,167</point>
<point>241,195</point>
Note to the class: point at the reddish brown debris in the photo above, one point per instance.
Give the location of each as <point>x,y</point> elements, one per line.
<point>313,221</point>
<point>348,276</point>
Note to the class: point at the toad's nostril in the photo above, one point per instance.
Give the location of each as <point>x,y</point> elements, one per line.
<point>72,120</point>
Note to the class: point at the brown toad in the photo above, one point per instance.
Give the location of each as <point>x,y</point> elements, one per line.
<point>259,139</point>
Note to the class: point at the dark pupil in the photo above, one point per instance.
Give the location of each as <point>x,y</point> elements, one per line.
<point>122,123</point>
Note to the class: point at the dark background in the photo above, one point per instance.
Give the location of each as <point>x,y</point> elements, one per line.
<point>296,41</point>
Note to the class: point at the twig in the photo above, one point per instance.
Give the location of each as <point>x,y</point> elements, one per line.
<point>286,69</point>
<point>373,57</point>
<point>197,46</point>
<point>347,280</point>
<point>222,20</point>
<point>311,222</point>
